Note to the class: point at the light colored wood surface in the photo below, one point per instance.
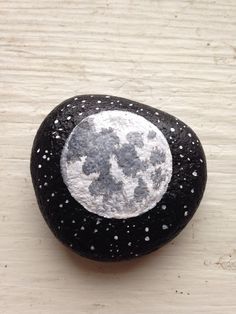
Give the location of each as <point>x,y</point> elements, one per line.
<point>179,56</point>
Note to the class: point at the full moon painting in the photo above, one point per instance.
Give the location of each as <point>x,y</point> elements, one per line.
<point>116,179</point>
<point>116,164</point>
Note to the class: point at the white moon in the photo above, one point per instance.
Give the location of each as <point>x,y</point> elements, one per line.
<point>116,164</point>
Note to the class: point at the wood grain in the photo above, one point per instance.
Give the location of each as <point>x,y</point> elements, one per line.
<point>179,56</point>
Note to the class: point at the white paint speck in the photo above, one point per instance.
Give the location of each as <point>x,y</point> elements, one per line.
<point>146,229</point>
<point>39,166</point>
<point>61,205</point>
<point>147,238</point>
<point>164,227</point>
<point>195,173</point>
<point>157,113</point>
<point>82,228</point>
<point>56,121</point>
<point>172,130</point>
<point>186,213</point>
<point>192,191</point>
<point>180,147</point>
<point>189,134</point>
<point>92,248</point>
<point>73,221</point>
<point>129,243</point>
<point>68,118</point>
<point>99,101</point>
<point>38,150</point>
<point>116,237</point>
<point>163,207</point>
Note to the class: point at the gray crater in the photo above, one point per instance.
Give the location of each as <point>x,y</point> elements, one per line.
<point>141,191</point>
<point>135,138</point>
<point>157,157</point>
<point>129,161</point>
<point>157,178</point>
<point>97,148</point>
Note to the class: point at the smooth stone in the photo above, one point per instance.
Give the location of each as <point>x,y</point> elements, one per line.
<point>116,179</point>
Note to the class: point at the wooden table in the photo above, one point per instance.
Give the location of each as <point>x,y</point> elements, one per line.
<point>179,56</point>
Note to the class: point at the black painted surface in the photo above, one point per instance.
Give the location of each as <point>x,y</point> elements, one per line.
<point>102,238</point>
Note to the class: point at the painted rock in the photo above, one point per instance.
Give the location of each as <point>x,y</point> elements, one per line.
<point>116,179</point>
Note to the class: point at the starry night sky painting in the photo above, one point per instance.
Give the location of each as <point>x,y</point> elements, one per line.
<point>116,179</point>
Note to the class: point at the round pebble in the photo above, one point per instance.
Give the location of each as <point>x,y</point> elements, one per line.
<point>116,179</point>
